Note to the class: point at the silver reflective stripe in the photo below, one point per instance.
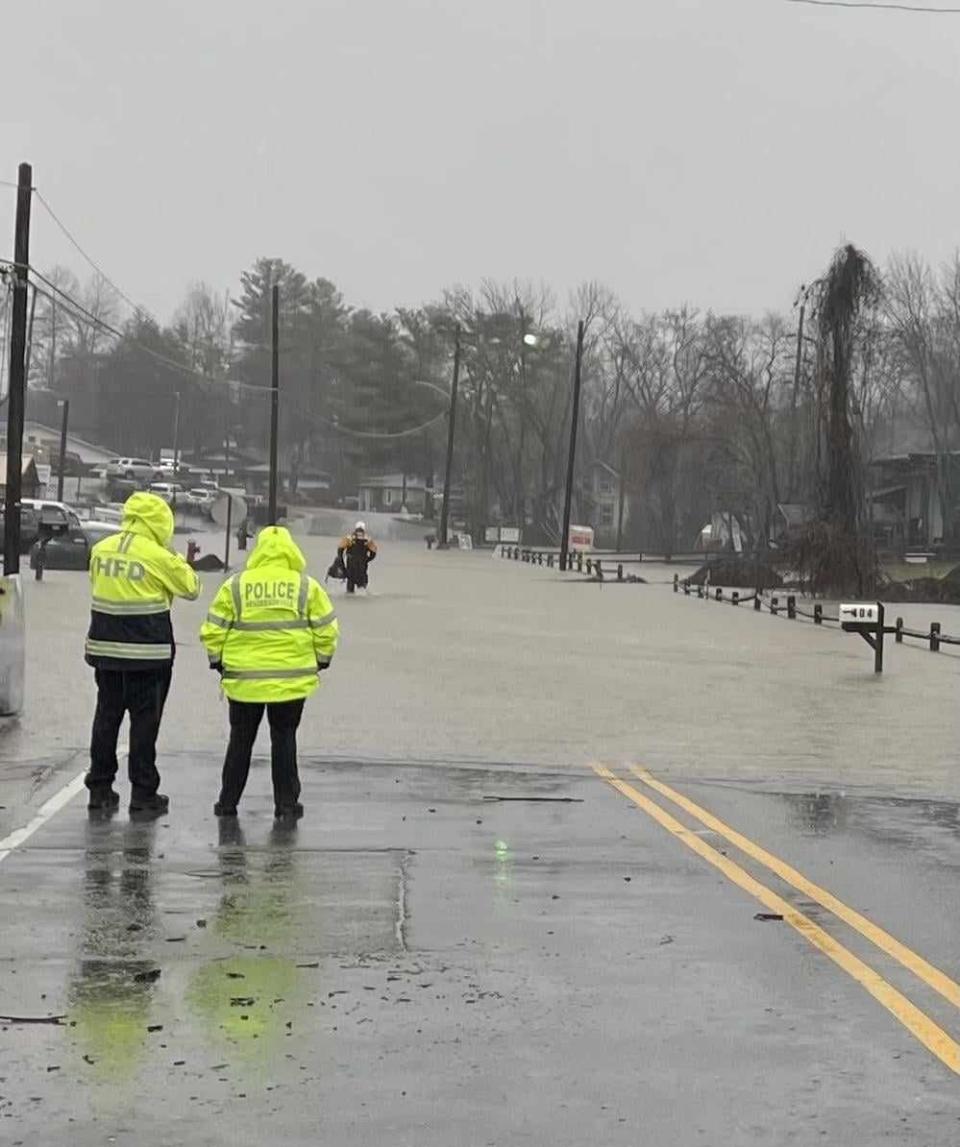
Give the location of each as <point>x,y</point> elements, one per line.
<point>129,650</point>
<point>235,591</point>
<point>222,622</point>
<point>269,674</point>
<point>291,623</point>
<point>302,596</point>
<point>321,622</point>
<point>128,608</point>
<point>126,541</point>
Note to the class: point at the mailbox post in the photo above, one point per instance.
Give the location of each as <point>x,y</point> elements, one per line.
<point>867,619</point>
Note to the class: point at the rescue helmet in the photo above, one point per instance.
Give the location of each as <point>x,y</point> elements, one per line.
<point>360,528</point>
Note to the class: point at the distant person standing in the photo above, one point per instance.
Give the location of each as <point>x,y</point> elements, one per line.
<point>270,632</point>
<point>356,552</point>
<point>134,577</point>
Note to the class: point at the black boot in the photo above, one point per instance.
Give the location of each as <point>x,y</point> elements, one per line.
<point>103,799</point>
<point>289,812</point>
<point>155,805</point>
<point>220,809</point>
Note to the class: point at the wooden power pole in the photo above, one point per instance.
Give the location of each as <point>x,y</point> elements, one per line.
<point>17,375</point>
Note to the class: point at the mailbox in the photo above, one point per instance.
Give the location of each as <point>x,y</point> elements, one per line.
<point>858,614</point>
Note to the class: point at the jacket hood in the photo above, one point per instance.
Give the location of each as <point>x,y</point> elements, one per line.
<point>275,547</point>
<point>149,516</point>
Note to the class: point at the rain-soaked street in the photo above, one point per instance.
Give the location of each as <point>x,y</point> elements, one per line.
<point>579,864</point>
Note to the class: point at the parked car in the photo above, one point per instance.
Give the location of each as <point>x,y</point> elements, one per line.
<point>72,538</point>
<point>166,470</point>
<point>138,469</point>
<point>171,492</point>
<point>200,499</point>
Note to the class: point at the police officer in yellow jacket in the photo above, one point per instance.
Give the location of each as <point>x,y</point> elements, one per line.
<point>270,631</point>
<point>134,577</point>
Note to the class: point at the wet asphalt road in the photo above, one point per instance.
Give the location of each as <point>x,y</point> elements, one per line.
<point>420,963</point>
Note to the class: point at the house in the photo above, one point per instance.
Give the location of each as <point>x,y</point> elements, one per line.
<point>30,484</point>
<point>393,494</point>
<point>44,442</point>
<point>606,493</point>
<point>905,506</point>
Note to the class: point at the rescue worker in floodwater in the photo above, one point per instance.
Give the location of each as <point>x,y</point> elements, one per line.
<point>134,577</point>
<point>270,632</point>
<point>356,552</point>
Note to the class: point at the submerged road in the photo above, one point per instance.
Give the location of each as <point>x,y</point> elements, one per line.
<point>579,865</point>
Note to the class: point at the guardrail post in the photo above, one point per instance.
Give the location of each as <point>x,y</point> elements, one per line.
<point>549,561</point>
<point>598,568</point>
<point>792,607</point>
<point>686,589</point>
<point>899,634</point>
<point>736,597</point>
<point>757,602</point>
<point>676,583</point>
<point>719,593</point>
<point>579,563</point>
<point>620,571</point>
<point>774,605</point>
<point>818,614</point>
<point>589,566</point>
<point>700,591</point>
<point>934,636</point>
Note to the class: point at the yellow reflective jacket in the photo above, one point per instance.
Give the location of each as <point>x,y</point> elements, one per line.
<point>134,577</point>
<point>271,628</point>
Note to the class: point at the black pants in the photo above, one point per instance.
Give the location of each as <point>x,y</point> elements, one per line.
<point>142,694</point>
<point>356,576</point>
<point>245,717</point>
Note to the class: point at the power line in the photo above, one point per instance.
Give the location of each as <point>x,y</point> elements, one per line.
<point>96,267</point>
<point>875,4</point>
<point>395,434</point>
<point>78,312</point>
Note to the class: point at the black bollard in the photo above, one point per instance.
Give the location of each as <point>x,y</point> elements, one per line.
<point>774,605</point>
<point>934,636</point>
<point>899,634</point>
<point>735,597</point>
<point>818,614</point>
<point>589,566</point>
<point>676,583</point>
<point>719,593</point>
<point>699,591</point>
<point>757,602</point>
<point>620,572</point>
<point>791,607</point>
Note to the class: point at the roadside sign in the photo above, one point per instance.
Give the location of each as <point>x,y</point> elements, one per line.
<point>510,534</point>
<point>581,538</point>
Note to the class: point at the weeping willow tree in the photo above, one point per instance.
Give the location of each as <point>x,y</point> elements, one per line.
<point>836,554</point>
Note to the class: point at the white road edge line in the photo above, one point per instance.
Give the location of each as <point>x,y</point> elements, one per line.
<point>47,811</point>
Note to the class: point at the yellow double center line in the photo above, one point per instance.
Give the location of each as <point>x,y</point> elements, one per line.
<point>930,1034</point>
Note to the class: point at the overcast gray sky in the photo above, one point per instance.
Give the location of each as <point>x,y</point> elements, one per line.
<point>703,151</point>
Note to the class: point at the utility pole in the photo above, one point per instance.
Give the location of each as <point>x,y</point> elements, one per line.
<point>176,433</point>
<point>274,402</point>
<point>65,403</point>
<point>17,376</point>
<point>451,432</point>
<point>571,460</point>
<point>226,466</point>
<point>621,494</point>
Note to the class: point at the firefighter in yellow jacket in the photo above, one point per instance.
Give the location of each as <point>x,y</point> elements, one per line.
<point>134,577</point>
<point>270,631</point>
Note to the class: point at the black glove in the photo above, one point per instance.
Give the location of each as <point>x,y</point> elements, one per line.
<point>321,665</point>
<point>217,666</point>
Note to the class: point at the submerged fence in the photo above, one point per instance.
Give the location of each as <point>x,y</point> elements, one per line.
<point>602,567</point>
<point>788,605</point>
